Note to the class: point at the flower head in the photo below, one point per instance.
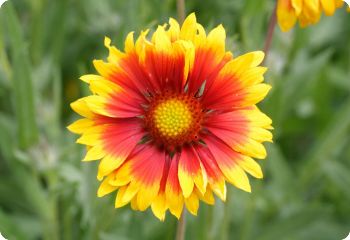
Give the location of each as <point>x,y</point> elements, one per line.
<point>307,12</point>
<point>173,118</point>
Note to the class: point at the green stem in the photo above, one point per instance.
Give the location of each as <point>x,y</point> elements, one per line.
<point>225,225</point>
<point>181,10</point>
<point>181,227</point>
<point>270,31</point>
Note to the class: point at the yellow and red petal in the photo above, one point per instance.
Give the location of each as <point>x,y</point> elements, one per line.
<point>238,130</point>
<point>146,171</point>
<point>159,205</point>
<point>118,140</point>
<point>238,84</point>
<point>206,66</point>
<point>112,100</point>
<point>190,172</point>
<point>173,192</point>
<point>216,179</point>
<point>228,162</point>
<point>210,55</point>
<point>166,63</point>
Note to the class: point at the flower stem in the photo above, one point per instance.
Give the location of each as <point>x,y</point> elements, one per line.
<point>181,10</point>
<point>181,227</point>
<point>269,35</point>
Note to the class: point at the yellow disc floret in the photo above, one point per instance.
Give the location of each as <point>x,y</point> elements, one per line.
<point>172,117</point>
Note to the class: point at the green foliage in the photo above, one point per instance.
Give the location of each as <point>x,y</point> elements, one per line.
<point>47,193</point>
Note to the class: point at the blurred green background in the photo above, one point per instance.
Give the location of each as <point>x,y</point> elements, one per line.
<point>46,192</point>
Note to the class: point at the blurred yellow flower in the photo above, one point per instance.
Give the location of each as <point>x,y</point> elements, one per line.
<point>173,118</point>
<point>307,12</point>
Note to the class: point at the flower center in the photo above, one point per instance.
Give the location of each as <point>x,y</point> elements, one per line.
<point>174,120</point>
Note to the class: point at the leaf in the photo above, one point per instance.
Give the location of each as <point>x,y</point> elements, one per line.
<point>22,82</point>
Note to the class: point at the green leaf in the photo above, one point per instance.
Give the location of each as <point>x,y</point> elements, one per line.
<point>22,82</point>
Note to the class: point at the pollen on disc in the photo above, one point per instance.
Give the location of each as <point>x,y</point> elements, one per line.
<point>172,117</point>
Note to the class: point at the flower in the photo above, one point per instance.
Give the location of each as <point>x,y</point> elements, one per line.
<point>306,11</point>
<point>173,118</point>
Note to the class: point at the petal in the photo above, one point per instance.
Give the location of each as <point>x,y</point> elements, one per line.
<point>122,105</point>
<point>146,168</point>
<point>121,176</point>
<point>105,69</point>
<point>254,94</point>
<point>80,125</point>
<point>251,167</point>
<point>105,187</point>
<point>190,172</point>
<point>328,7</point>
<point>311,13</point>
<point>91,77</point>
<point>97,104</point>
<point>95,153</point>
<point>124,69</point>
<point>241,143</point>
<point>109,163</point>
<point>125,195</point>
<point>174,30</point>
<point>216,179</point>
<point>131,76</point>
<point>167,63</point>
<point>113,101</point>
<point>118,140</point>
<point>210,58</point>
<point>114,54</point>
<point>161,40</point>
<point>286,15</point>
<point>91,136</point>
<point>129,43</point>
<point>256,117</point>
<point>241,132</point>
<point>227,160</point>
<point>103,87</point>
<point>339,3</point>
<point>173,191</point>
<point>237,83</point>
<point>82,108</point>
<point>159,206</point>
<point>298,6</point>
<point>210,55</point>
<point>192,203</point>
<point>189,27</point>
<point>216,39</point>
<point>208,196</point>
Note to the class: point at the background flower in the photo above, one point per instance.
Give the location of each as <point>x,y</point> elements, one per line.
<point>304,11</point>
